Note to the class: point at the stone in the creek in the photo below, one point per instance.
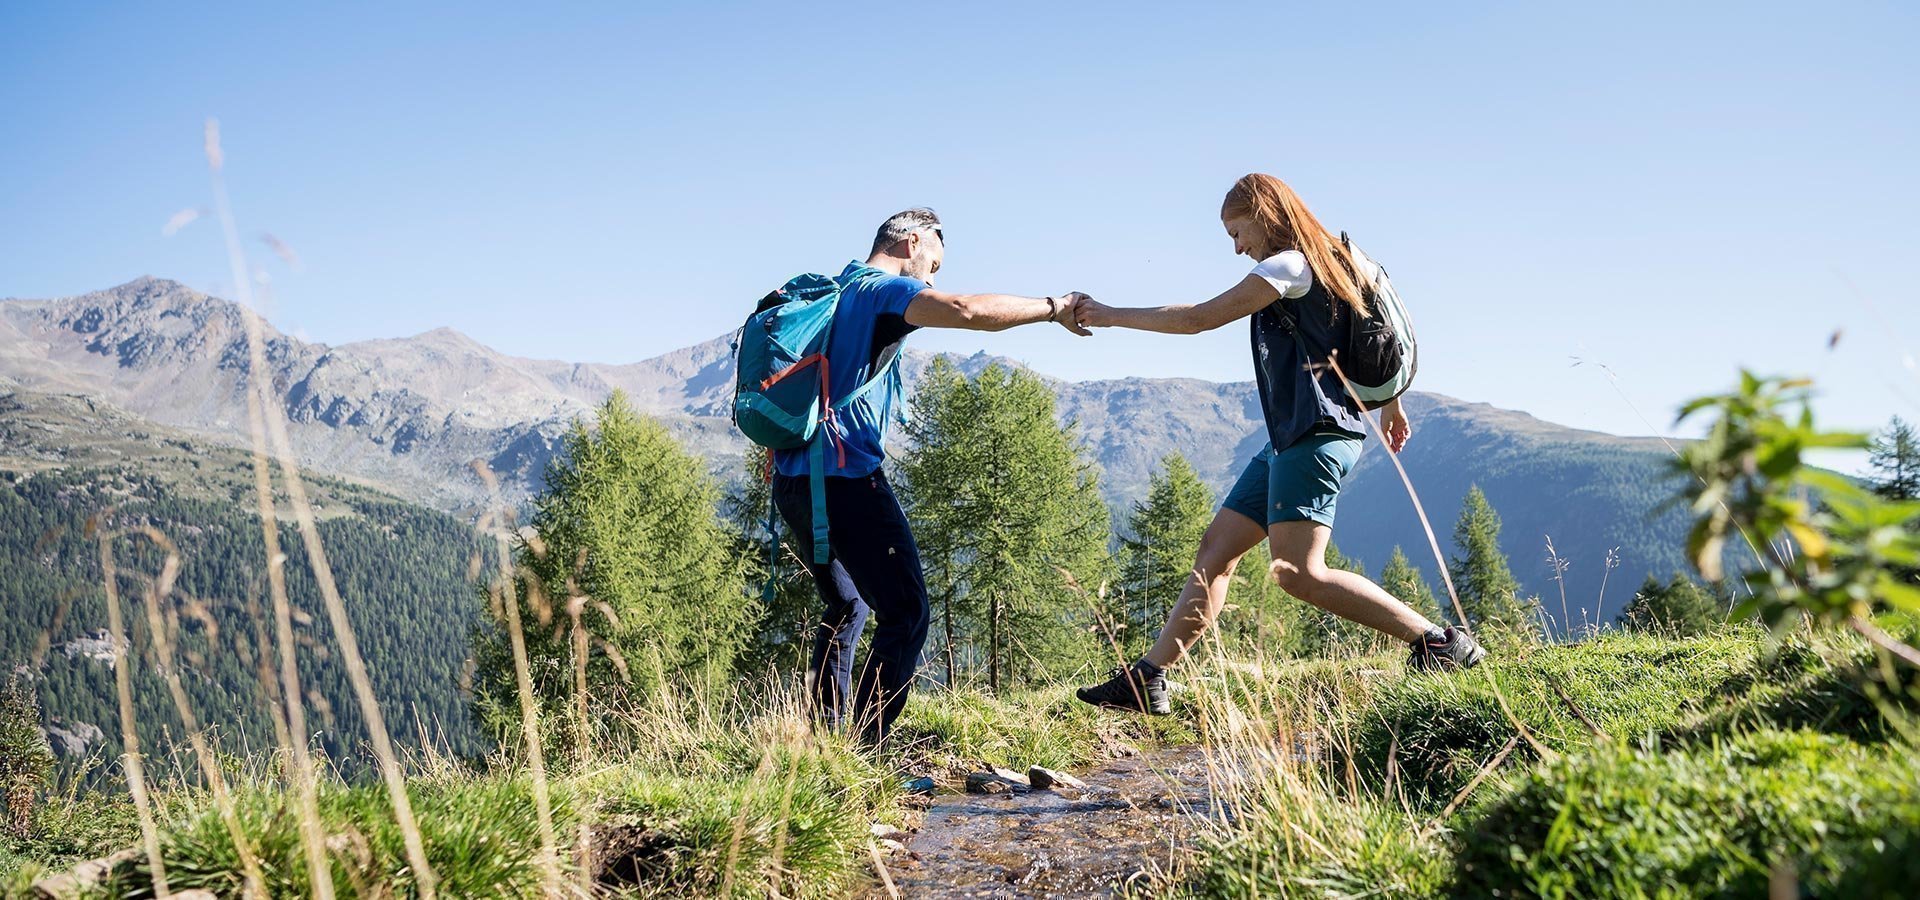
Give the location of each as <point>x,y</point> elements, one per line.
<point>884,832</point>
<point>1044,779</point>
<point>997,781</point>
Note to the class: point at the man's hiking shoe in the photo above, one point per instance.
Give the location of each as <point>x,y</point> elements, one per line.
<point>1450,649</point>
<point>1137,688</point>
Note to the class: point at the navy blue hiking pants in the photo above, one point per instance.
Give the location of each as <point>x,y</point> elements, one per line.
<point>873,566</point>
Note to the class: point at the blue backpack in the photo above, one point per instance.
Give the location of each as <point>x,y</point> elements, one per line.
<point>782,396</point>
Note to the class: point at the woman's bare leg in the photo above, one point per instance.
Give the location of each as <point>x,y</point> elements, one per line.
<point>1300,568</point>
<point>1228,538</point>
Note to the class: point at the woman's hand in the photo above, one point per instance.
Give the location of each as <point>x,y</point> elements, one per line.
<point>1091,313</point>
<point>1394,425</point>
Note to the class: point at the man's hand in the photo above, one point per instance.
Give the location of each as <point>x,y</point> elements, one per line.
<point>1065,312</point>
<point>1394,425</point>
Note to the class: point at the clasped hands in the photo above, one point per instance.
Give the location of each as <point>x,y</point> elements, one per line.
<point>1078,312</point>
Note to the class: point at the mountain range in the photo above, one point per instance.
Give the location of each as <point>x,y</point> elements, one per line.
<point>410,416</point>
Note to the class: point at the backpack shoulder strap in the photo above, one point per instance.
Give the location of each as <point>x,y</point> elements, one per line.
<point>889,365</point>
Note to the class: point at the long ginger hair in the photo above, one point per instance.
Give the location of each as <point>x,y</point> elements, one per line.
<point>1289,225</point>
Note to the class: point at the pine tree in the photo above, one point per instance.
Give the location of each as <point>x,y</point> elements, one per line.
<point>1680,607</point>
<point>627,535</point>
<point>1489,594</point>
<point>1157,556</point>
<point>1008,514</point>
<point>1403,580</point>
<point>1894,457</point>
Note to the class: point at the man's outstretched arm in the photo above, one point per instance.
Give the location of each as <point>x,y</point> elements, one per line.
<point>991,312</point>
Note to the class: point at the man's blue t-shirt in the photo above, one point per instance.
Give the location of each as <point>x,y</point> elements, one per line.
<point>871,318</point>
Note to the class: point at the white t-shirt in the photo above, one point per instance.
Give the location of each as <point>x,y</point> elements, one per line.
<point>1287,271</point>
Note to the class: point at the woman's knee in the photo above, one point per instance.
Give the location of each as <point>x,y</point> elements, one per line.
<point>1302,581</point>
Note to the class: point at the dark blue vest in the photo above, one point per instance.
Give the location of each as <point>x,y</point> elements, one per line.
<point>1299,392</point>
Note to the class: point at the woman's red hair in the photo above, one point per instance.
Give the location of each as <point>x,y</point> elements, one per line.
<point>1289,225</point>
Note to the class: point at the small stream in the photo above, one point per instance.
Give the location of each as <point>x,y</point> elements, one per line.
<point>1137,813</point>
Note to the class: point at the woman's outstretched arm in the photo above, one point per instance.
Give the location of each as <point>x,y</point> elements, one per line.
<point>1251,295</point>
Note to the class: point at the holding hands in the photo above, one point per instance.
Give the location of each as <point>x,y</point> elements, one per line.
<point>1065,311</point>
<point>1077,312</point>
<point>1090,313</point>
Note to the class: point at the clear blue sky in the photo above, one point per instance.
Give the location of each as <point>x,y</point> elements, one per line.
<point>1672,189</point>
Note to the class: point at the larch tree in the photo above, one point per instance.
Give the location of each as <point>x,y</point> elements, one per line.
<point>1007,510</point>
<point>1489,594</point>
<point>1156,556</point>
<point>627,559</point>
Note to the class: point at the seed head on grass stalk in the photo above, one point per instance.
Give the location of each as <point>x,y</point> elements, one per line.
<point>291,728</point>
<point>1600,604</point>
<point>276,429</point>
<point>501,517</point>
<point>160,630</point>
<point>129,729</point>
<point>1559,565</point>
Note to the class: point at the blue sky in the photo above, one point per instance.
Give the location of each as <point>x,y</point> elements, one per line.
<point>1670,189</point>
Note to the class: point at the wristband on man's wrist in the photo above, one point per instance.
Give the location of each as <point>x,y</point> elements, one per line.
<point>1053,309</point>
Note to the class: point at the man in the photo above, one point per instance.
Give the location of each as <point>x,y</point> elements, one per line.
<point>873,563</point>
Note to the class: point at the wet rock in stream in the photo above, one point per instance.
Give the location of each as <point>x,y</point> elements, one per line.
<point>997,781</point>
<point>1045,779</point>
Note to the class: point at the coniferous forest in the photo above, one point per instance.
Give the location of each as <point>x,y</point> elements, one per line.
<point>402,569</point>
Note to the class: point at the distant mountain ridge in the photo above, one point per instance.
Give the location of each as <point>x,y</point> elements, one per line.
<point>412,413</point>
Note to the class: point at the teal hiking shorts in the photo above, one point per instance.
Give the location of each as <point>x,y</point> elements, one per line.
<point>1297,484</point>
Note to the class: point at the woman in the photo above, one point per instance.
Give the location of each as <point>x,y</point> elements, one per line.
<point>1305,280</point>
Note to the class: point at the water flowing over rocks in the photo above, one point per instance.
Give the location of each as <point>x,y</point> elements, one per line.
<point>1126,816</point>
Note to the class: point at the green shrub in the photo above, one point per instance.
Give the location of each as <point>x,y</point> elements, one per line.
<point>72,827</point>
<point>26,762</point>
<point>1710,821</point>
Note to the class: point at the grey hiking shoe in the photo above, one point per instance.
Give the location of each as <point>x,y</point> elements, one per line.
<point>1455,649</point>
<point>1131,688</point>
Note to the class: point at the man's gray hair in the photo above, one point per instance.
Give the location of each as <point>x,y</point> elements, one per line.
<point>897,226</point>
